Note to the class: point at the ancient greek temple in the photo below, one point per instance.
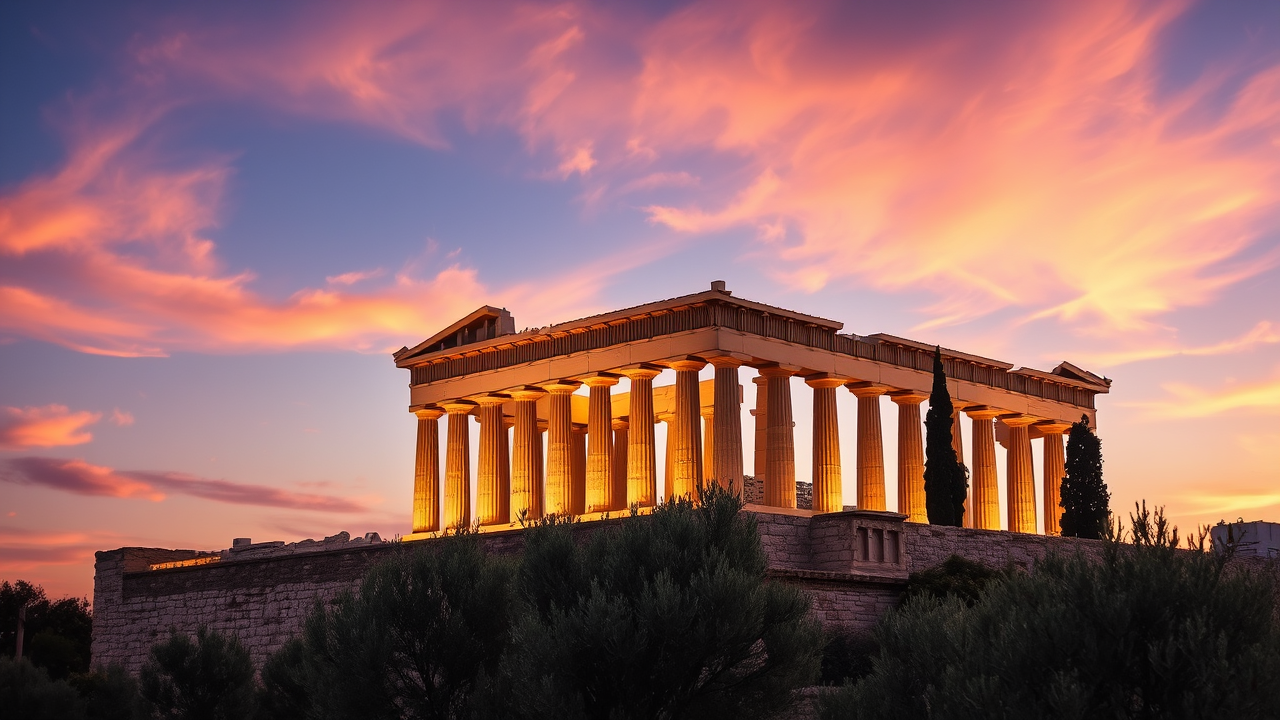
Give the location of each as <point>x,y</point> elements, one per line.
<point>545,447</point>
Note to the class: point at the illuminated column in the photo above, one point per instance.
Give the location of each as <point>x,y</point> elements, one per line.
<point>983,479</point>
<point>957,442</point>
<point>1020,475</point>
<point>579,469</point>
<point>871,495</point>
<point>426,472</point>
<point>726,461</point>
<point>910,456</point>
<point>619,466</point>
<point>761,414</point>
<point>828,485</point>
<point>687,458</point>
<point>526,468</point>
<point>668,453</point>
<point>457,466</point>
<point>642,457</point>
<point>780,449</point>
<point>559,488</point>
<point>599,494</point>
<point>1055,467</point>
<point>492,499</point>
<point>707,424</point>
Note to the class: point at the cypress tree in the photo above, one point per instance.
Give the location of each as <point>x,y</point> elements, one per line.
<point>946,479</point>
<point>1085,501</point>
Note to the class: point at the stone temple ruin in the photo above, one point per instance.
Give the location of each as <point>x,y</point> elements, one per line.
<point>544,447</point>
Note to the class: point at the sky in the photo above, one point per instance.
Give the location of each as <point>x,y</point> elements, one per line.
<point>218,220</point>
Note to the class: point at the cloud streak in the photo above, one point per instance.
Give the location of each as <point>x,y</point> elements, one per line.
<point>1188,401</point>
<point>46,426</point>
<point>81,478</point>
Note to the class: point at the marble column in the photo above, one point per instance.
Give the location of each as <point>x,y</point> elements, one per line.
<point>559,488</point>
<point>687,458</point>
<point>620,465</point>
<point>457,465</point>
<point>642,457</point>
<point>707,423</point>
<point>668,453</point>
<point>780,450</point>
<point>957,442</point>
<point>526,468</point>
<point>871,494</point>
<point>1055,467</point>
<point>492,499</point>
<point>579,470</point>
<point>726,461</point>
<point>761,414</point>
<point>1020,475</point>
<point>828,484</point>
<point>911,500</point>
<point>599,494</point>
<point>426,472</point>
<point>982,478</point>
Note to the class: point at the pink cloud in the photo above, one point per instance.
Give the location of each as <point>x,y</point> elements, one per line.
<point>81,478</point>
<point>121,418</point>
<point>46,426</point>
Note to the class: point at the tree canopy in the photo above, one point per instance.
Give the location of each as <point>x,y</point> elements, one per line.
<point>1085,500</point>
<point>946,479</point>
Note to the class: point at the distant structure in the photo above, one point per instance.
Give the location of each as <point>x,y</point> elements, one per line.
<point>587,456</point>
<point>1250,539</point>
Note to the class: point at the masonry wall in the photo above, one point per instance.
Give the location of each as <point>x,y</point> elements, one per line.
<point>852,564</point>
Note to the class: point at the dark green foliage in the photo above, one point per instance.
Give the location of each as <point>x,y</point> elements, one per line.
<point>1143,632</point>
<point>109,693</point>
<point>847,657</point>
<point>410,644</point>
<point>57,632</point>
<point>1085,501</point>
<point>955,577</point>
<point>209,677</point>
<point>286,694</point>
<point>946,479</point>
<point>665,616</point>
<point>27,692</point>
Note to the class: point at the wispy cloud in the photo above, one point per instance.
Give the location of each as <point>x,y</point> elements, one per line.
<point>1188,401</point>
<point>45,426</point>
<point>1264,333</point>
<point>82,478</point>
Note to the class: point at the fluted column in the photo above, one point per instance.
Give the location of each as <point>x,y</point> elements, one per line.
<point>599,494</point>
<point>526,466</point>
<point>579,470</point>
<point>983,479</point>
<point>761,414</point>
<point>707,423</point>
<point>668,453</point>
<point>687,459</point>
<point>1020,475</point>
<point>1055,467</point>
<point>780,450</point>
<point>642,451</point>
<point>426,472</point>
<point>726,420</point>
<point>957,442</point>
<point>910,456</point>
<point>559,488</point>
<point>492,498</point>
<point>828,484</point>
<point>871,495</point>
<point>457,465</point>
<point>620,465</point>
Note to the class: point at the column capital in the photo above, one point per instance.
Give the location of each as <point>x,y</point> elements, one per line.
<point>577,429</point>
<point>600,380</point>
<point>1017,419</point>
<point>707,411</point>
<point>825,381</point>
<point>429,412</point>
<point>665,417</point>
<point>908,397</point>
<point>491,398</point>
<point>643,371</point>
<point>1052,427</point>
<point>560,387</point>
<point>688,364</point>
<point>526,392</point>
<point>983,412</point>
<point>770,371</point>
<point>621,423</point>
<point>727,360</point>
<point>458,407</point>
<point>760,379</point>
<point>864,389</point>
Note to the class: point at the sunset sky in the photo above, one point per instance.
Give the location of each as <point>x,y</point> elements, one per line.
<point>217,220</point>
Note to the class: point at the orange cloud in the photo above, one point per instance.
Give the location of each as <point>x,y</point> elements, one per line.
<point>46,426</point>
<point>82,478</point>
<point>1194,402</point>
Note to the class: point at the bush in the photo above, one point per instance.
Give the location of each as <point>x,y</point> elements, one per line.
<point>665,616</point>
<point>1146,631</point>
<point>848,657</point>
<point>956,577</point>
<point>109,693</point>
<point>27,692</point>
<point>208,678</point>
<point>57,632</point>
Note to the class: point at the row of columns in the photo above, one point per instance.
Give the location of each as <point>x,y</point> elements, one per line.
<point>614,464</point>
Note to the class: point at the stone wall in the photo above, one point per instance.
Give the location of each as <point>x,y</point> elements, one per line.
<point>853,564</point>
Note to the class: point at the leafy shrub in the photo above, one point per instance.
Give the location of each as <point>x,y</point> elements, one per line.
<point>27,692</point>
<point>956,576</point>
<point>109,693</point>
<point>209,677</point>
<point>57,632</point>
